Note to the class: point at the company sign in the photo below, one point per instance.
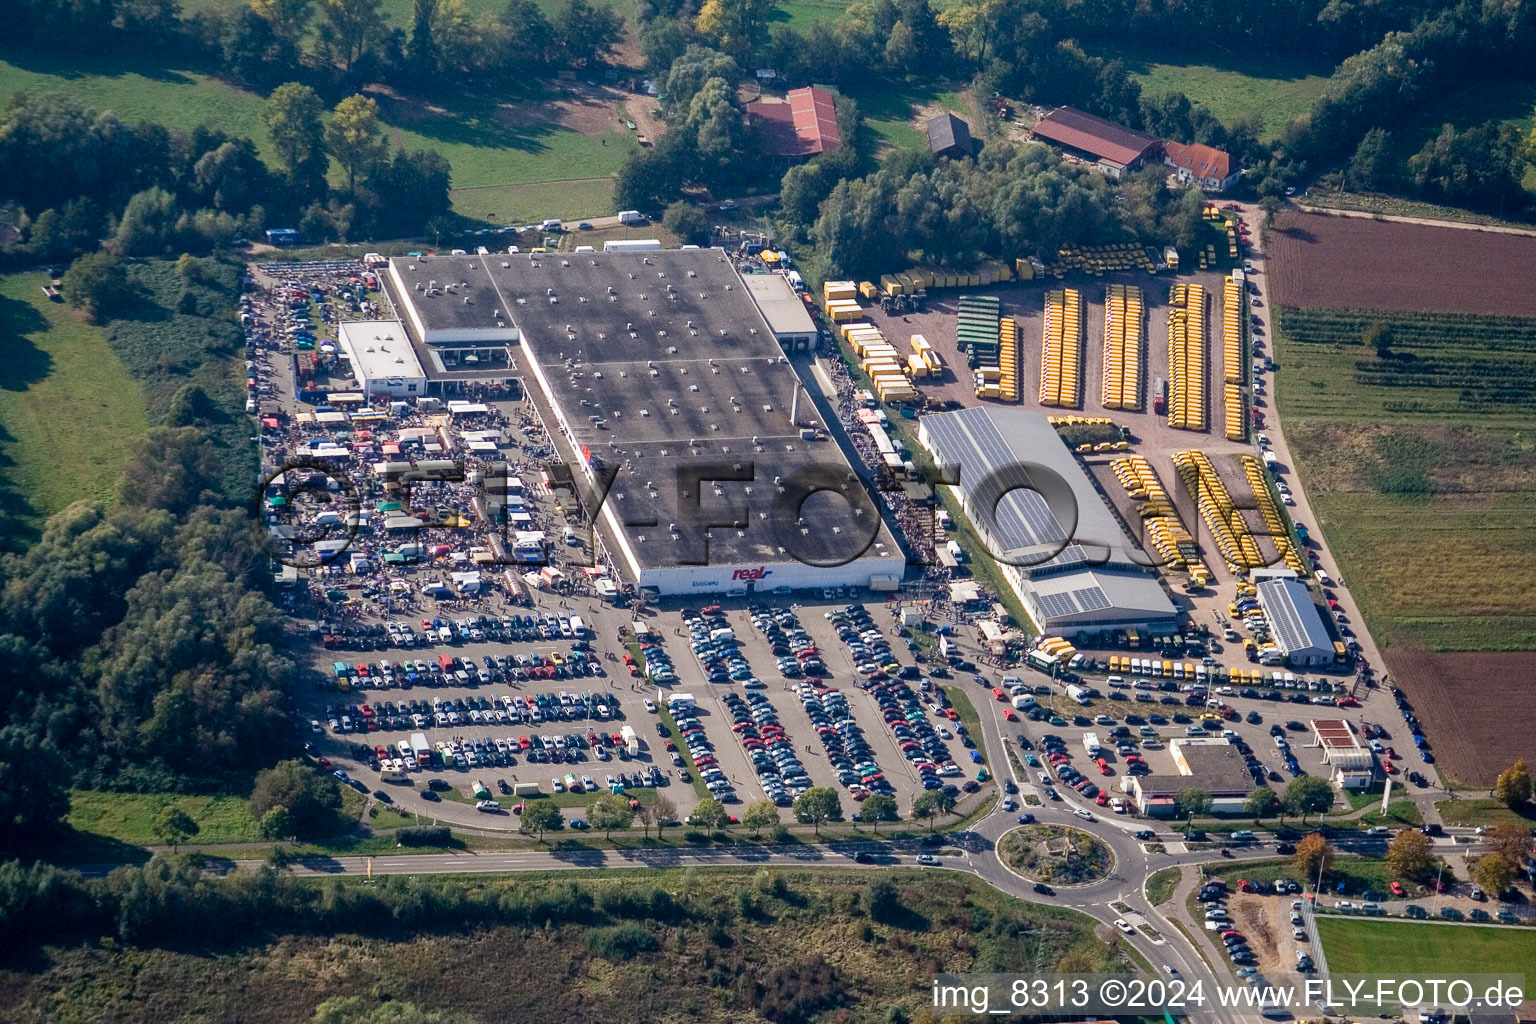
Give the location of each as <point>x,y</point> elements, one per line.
<point>751,574</point>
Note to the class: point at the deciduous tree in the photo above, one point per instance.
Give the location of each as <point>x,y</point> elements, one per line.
<point>97,285</point>
<point>1313,855</point>
<point>356,26</point>
<point>538,817</point>
<point>878,807</point>
<point>1513,785</point>
<point>174,826</point>
<point>1493,873</point>
<point>1409,854</point>
<point>355,137</point>
<point>610,811</point>
<point>817,805</point>
<point>1309,794</point>
<point>759,816</point>
<point>1193,801</point>
<point>311,797</point>
<point>293,117</point>
<point>709,813</point>
<point>1261,802</point>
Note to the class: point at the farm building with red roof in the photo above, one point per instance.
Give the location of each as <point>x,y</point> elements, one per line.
<point>1206,166</point>
<point>803,125</point>
<point>1114,147</point>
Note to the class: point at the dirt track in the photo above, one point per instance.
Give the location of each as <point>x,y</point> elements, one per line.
<point>1472,707</point>
<point>1320,261</point>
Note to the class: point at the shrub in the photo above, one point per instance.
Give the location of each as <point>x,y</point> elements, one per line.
<point>620,942</point>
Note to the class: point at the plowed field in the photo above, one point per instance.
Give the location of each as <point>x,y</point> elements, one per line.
<point>1321,261</point>
<point>1472,706</point>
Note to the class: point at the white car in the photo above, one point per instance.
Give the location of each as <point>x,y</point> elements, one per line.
<point>650,706</point>
<point>1085,815</point>
<point>1124,926</point>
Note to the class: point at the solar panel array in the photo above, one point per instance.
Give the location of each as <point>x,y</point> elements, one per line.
<point>1056,606</point>
<point>1022,518</point>
<point>1298,625</point>
<point>1091,599</point>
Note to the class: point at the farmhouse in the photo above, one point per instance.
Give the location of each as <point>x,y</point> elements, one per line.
<point>1205,166</point>
<point>1209,763</point>
<point>660,376</point>
<point>1298,625</point>
<point>1021,487</point>
<point>949,136</point>
<point>802,125</point>
<point>1115,148</point>
<point>1351,765</point>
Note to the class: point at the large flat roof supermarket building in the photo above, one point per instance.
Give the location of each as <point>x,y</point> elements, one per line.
<point>658,366</point>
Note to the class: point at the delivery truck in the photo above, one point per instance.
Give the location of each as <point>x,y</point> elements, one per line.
<point>421,749</point>
<point>631,740</point>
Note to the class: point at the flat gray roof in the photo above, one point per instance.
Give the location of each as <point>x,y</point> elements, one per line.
<point>1298,624</point>
<point>1216,768</point>
<point>1011,460</point>
<point>1080,565</point>
<point>378,349</point>
<point>660,363</point>
<point>780,304</point>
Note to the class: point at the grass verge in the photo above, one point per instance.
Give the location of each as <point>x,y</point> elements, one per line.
<point>1161,884</point>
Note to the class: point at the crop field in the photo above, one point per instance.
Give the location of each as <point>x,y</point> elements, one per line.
<point>1437,368</point>
<point>1420,463</point>
<point>1357,946</point>
<point>1232,86</point>
<point>57,366</point>
<point>1330,262</point>
<point>720,946</point>
<point>1474,706</point>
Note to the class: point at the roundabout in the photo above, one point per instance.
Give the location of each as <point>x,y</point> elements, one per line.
<point>1055,855</point>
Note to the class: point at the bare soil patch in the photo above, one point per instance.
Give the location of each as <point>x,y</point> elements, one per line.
<point>1319,261</point>
<point>1475,707</point>
<point>586,110</point>
<point>1263,920</point>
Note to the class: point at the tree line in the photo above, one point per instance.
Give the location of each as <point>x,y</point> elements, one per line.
<point>75,178</point>
<point>334,45</point>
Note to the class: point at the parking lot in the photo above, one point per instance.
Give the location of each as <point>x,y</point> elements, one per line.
<point>769,734</point>
<point>1134,730</point>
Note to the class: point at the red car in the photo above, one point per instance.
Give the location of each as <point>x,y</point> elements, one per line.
<point>949,713</point>
<point>325,764</point>
<point>1103,799</point>
<point>1009,716</point>
<point>1397,889</point>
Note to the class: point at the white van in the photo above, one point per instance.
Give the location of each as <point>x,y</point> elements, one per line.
<point>551,224</point>
<point>627,217</point>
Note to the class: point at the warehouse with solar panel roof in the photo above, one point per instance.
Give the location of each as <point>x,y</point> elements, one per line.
<point>1058,544</point>
<point>658,371</point>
